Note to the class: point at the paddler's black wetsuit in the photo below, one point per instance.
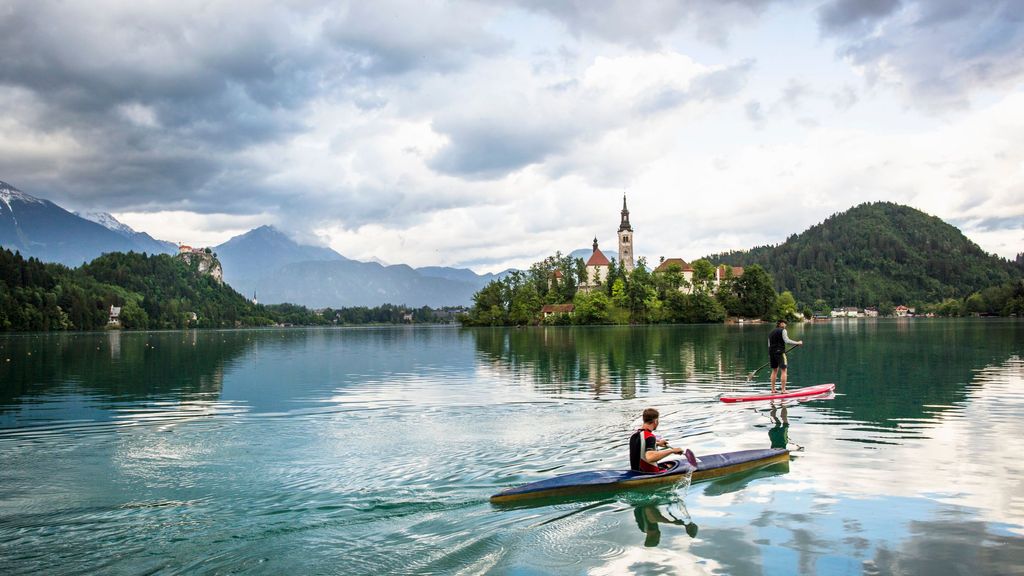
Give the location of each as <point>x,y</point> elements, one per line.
<point>639,443</point>
<point>777,340</point>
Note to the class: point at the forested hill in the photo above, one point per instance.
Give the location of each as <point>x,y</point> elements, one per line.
<point>878,253</point>
<point>158,291</point>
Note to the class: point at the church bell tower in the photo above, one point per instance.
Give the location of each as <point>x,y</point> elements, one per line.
<point>625,239</point>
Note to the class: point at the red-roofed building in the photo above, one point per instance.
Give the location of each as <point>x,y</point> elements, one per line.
<point>598,268</point>
<point>685,268</point>
<point>725,272</point>
<point>722,272</point>
<point>555,279</point>
<point>550,309</point>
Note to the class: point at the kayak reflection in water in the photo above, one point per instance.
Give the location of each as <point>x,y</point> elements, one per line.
<point>648,517</point>
<point>779,433</point>
<point>644,452</point>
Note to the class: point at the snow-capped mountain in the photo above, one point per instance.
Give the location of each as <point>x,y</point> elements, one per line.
<point>39,228</point>
<point>10,195</point>
<point>108,221</point>
<point>144,241</point>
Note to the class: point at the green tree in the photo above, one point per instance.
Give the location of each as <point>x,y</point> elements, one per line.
<point>490,305</point>
<point>785,307</point>
<point>703,276</point>
<point>619,297</point>
<point>669,280</point>
<point>133,316</point>
<point>753,294</point>
<point>591,308</point>
<point>702,308</point>
<point>821,307</point>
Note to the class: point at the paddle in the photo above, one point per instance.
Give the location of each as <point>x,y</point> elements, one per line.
<point>751,375</point>
<point>688,454</point>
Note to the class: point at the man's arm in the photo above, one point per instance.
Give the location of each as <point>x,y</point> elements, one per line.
<point>785,338</point>
<point>653,456</point>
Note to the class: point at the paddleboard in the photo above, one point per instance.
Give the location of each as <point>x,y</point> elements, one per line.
<point>798,393</point>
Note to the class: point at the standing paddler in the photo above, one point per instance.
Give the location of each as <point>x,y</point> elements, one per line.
<point>777,340</point>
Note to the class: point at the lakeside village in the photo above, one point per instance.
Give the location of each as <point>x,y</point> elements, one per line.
<point>566,290</point>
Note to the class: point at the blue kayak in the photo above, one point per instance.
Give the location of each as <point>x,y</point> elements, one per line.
<point>578,483</point>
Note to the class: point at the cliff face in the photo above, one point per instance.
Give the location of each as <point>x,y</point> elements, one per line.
<point>204,263</point>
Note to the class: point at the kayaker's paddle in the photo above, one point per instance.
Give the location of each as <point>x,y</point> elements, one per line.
<point>751,375</point>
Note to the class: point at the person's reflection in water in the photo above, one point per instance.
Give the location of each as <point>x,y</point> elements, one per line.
<point>779,433</point>
<point>649,516</point>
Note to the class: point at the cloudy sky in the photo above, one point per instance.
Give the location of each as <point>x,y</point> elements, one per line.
<point>491,133</point>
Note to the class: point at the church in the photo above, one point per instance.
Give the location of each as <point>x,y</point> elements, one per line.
<point>598,265</point>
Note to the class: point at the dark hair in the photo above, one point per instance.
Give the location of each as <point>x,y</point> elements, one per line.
<point>781,321</point>
<point>650,415</point>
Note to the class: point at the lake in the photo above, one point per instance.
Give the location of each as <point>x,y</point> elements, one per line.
<point>374,450</point>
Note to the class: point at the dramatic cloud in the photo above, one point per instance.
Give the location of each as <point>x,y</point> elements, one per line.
<point>940,53</point>
<point>493,132</point>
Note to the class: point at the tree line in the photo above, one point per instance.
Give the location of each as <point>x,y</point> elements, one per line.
<point>645,297</point>
<point>155,292</point>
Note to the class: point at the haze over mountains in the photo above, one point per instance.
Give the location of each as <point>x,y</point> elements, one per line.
<point>263,262</point>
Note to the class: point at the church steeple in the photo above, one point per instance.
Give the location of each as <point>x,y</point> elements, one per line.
<point>625,217</point>
<point>625,238</point>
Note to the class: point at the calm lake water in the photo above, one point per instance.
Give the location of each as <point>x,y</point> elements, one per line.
<point>370,451</point>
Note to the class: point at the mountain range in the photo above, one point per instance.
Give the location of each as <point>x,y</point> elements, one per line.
<point>41,229</point>
<point>263,263</point>
<point>266,264</point>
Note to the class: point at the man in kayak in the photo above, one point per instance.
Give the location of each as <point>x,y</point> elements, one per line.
<point>643,446</point>
<point>777,341</point>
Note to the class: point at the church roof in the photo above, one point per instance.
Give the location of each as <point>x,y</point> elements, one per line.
<point>598,259</point>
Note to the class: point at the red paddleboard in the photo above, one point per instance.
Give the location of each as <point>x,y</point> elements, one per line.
<point>798,393</point>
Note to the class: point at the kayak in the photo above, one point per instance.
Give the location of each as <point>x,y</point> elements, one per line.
<point>579,483</point>
<point>798,393</point>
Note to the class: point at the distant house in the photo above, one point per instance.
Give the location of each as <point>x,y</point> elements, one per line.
<point>115,316</point>
<point>186,249</point>
<point>407,317</point>
<point>550,309</point>
<point>871,312</point>
<point>902,311</point>
<point>555,279</point>
<point>685,268</point>
<point>723,272</point>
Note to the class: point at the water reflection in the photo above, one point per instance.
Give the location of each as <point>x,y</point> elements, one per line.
<point>99,376</point>
<point>617,360</point>
<point>778,434</point>
<point>649,516</point>
<point>884,370</point>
